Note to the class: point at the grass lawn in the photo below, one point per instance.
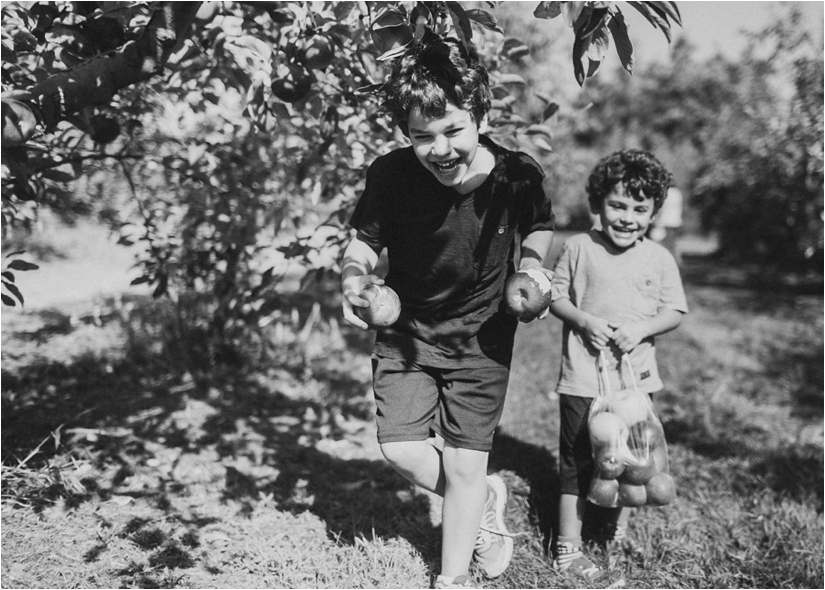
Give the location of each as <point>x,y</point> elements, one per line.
<point>126,466</point>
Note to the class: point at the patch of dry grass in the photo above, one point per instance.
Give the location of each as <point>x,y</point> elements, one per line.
<point>150,475</point>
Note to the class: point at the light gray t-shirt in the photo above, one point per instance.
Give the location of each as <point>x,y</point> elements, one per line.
<point>619,286</point>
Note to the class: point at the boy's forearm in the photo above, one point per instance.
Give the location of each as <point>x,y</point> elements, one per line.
<point>359,259</point>
<point>663,322</point>
<point>569,313</point>
<point>534,249</point>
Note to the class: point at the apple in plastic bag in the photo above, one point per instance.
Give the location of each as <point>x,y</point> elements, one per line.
<point>610,462</point>
<point>384,307</point>
<point>640,470</point>
<point>661,489</point>
<point>527,294</point>
<point>645,435</point>
<point>607,429</point>
<point>603,492</point>
<point>632,494</point>
<point>631,405</point>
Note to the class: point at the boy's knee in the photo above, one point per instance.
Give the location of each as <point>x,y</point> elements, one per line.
<point>404,456</point>
<point>465,464</point>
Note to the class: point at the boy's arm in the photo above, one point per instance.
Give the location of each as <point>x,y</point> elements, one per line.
<point>628,336</point>
<point>596,331</point>
<point>534,250</point>
<point>356,272</point>
<point>535,247</point>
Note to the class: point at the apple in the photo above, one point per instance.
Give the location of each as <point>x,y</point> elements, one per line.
<point>609,463</point>
<point>292,86</point>
<point>639,471</point>
<point>607,429</point>
<point>315,52</point>
<point>645,435</point>
<point>384,307</point>
<point>527,293</point>
<point>603,492</point>
<point>632,495</point>
<point>661,489</point>
<point>632,405</point>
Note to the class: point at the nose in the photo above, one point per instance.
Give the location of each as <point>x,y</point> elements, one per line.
<point>627,217</point>
<point>441,146</point>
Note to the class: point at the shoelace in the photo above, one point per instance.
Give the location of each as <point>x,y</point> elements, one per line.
<point>483,541</point>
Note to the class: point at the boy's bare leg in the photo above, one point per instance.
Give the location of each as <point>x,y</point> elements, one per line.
<point>419,462</point>
<point>460,477</point>
<point>464,499</point>
<point>571,511</point>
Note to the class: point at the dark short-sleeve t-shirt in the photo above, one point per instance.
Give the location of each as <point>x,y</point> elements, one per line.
<point>450,254</point>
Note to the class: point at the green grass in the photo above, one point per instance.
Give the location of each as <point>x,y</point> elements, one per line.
<point>153,473</point>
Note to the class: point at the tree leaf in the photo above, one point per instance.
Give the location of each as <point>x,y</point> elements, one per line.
<point>595,21</point>
<point>140,281</point>
<point>624,47</point>
<point>22,265</point>
<point>8,300</point>
<point>58,175</point>
<point>541,143</point>
<point>539,130</point>
<point>485,19</point>
<point>578,67</point>
<point>652,17</point>
<point>163,283</point>
<point>593,66</point>
<point>14,291</point>
<point>598,45</point>
<point>511,79</point>
<point>461,22</point>
<point>547,10</point>
<point>550,110</point>
<point>667,9</point>
<point>572,11</point>
<point>514,49</point>
<point>9,276</point>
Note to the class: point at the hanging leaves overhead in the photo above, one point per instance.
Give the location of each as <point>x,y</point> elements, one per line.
<point>595,23</point>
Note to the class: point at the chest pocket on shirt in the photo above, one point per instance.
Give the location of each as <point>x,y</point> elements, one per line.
<point>646,294</point>
<point>493,246</point>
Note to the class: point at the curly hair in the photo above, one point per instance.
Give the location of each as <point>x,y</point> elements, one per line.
<point>642,175</point>
<point>432,73</point>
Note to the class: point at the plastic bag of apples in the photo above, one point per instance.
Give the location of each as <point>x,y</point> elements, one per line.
<point>629,448</point>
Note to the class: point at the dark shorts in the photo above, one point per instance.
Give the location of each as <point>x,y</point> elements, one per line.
<point>462,405</point>
<point>575,453</point>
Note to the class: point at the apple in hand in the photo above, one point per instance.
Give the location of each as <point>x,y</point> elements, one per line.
<point>527,294</point>
<point>384,307</point>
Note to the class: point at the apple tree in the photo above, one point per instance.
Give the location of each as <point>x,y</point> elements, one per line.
<point>217,132</point>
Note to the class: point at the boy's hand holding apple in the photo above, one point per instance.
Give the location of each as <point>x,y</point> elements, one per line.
<point>527,293</point>
<point>368,303</point>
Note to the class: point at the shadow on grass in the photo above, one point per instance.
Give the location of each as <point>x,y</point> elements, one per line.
<point>122,410</point>
<point>538,468</point>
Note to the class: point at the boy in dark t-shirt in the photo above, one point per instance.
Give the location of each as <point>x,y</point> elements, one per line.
<point>448,210</point>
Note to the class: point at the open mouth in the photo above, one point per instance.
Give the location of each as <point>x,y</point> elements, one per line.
<point>447,166</point>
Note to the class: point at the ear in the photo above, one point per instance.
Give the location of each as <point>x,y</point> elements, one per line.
<point>482,125</point>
